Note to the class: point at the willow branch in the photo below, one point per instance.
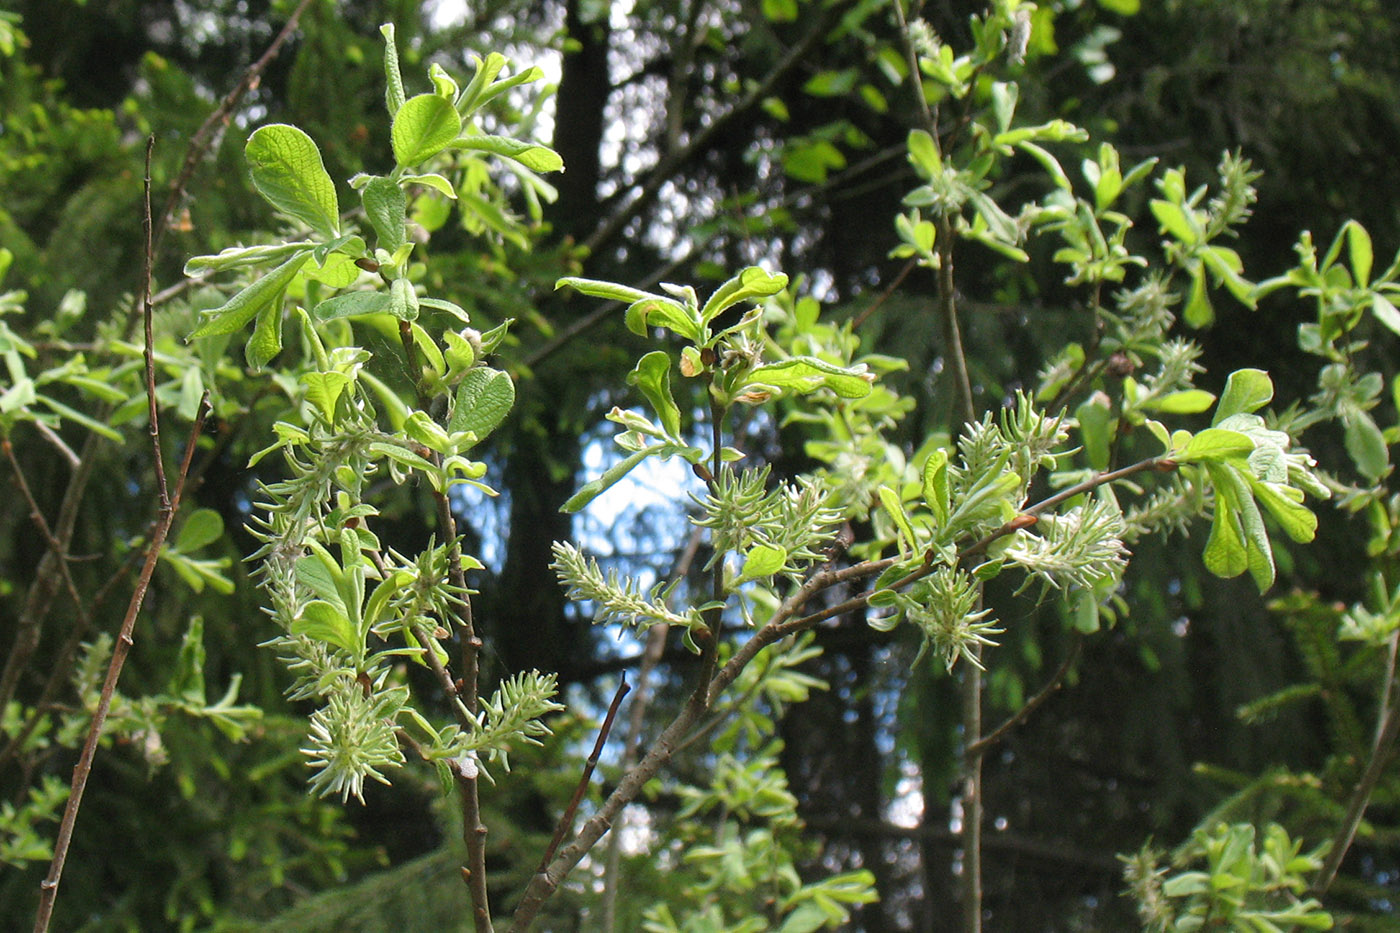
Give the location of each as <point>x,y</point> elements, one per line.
<point>1387,730</point>
<point>48,888</point>
<point>567,820</point>
<point>1053,684</point>
<point>204,137</point>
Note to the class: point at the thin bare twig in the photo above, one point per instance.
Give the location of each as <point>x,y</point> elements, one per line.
<point>205,136</point>
<point>1383,746</point>
<point>668,165</point>
<point>651,657</point>
<point>48,888</point>
<point>1021,715</point>
<point>566,821</point>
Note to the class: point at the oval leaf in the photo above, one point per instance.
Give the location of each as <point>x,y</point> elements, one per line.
<point>484,399</point>
<point>287,170</point>
<point>423,127</point>
<point>385,205</point>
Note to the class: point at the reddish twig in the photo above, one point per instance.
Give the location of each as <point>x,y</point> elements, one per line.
<point>204,137</point>
<point>991,738</point>
<point>566,821</point>
<point>48,888</point>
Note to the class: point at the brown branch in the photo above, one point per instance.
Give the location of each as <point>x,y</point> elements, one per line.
<point>204,137</point>
<point>48,577</point>
<point>48,888</point>
<point>1053,684</point>
<point>148,317</point>
<point>884,295</point>
<point>567,820</point>
<point>651,657</point>
<point>1387,731</point>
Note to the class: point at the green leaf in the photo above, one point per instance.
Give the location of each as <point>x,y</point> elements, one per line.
<point>1198,311</point>
<point>806,374</point>
<point>1246,390</point>
<point>75,416</point>
<point>1185,402</point>
<point>403,300</point>
<point>535,157</point>
<point>338,271</point>
<point>351,304</point>
<point>431,180</point>
<point>811,161</point>
<point>935,483</point>
<point>1095,418</point>
<point>1216,444</point>
<point>1176,222</point>
<point>323,390</point>
<point>1284,503</point>
<point>832,83</point>
<point>230,317</point>
<point>266,341</point>
<point>423,127</point>
<point>1238,539</point>
<point>1122,7</point>
<point>749,285</point>
<point>201,527</point>
<point>237,257</point>
<point>595,288</point>
<point>614,474</point>
<point>1385,312</point>
<point>923,153</point>
<point>889,501</point>
<point>287,170</point>
<point>780,11</point>
<point>393,79</point>
<point>484,398</point>
<point>385,205</point>
<point>762,561</point>
<point>662,312</point>
<point>191,392</point>
<point>1366,445</point>
<point>327,623</point>
<point>1360,252</point>
<point>653,376</point>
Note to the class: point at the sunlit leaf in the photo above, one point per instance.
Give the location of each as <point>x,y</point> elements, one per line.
<point>287,170</point>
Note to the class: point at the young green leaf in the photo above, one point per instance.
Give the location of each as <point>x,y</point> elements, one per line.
<point>403,300</point>
<point>935,483</point>
<point>385,205</point>
<point>422,128</point>
<point>232,315</point>
<point>652,375</point>
<point>351,304</point>
<point>806,374</point>
<point>613,475</point>
<point>201,527</point>
<point>287,170</point>
<point>266,341</point>
<point>393,79</point>
<point>484,398</point>
<point>750,284</point>
<point>1246,390</point>
<point>762,561</point>
<point>326,623</point>
<point>889,501</point>
<point>535,157</point>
